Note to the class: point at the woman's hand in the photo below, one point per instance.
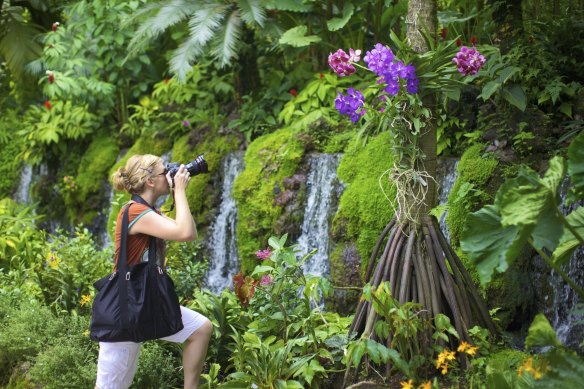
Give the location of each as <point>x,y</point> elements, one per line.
<point>181,179</point>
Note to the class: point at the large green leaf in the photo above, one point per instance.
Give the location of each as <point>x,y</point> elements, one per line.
<point>568,242</point>
<point>252,12</point>
<point>515,95</point>
<point>490,245</point>
<point>528,201</point>
<point>297,37</point>
<point>489,88</point>
<point>337,23</point>
<point>541,333</point>
<point>576,165</point>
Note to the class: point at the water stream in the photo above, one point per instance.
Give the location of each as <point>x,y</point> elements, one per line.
<point>563,319</point>
<point>22,194</point>
<point>447,175</point>
<point>323,191</point>
<point>222,244</point>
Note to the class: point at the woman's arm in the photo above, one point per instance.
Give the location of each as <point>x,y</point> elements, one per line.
<point>182,228</point>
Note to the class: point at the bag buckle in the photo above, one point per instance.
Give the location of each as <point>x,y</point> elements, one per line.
<point>112,276</point>
<point>128,276</point>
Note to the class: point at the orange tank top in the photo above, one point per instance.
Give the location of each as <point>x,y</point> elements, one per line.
<point>137,245</point>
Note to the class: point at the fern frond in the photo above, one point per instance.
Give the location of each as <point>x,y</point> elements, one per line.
<point>227,40</point>
<point>184,55</point>
<point>252,12</point>
<point>167,14</point>
<point>205,21</point>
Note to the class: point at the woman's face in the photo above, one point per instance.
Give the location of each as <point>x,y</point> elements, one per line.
<point>159,178</point>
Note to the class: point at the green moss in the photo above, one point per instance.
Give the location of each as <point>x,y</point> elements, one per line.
<point>364,209</point>
<point>144,145</point>
<point>10,166</point>
<point>268,160</point>
<point>95,165</point>
<point>200,192</point>
<point>477,170</point>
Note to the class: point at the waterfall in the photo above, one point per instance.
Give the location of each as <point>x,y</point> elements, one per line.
<point>323,189</point>
<point>22,194</point>
<point>565,300</point>
<point>447,175</point>
<point>222,244</point>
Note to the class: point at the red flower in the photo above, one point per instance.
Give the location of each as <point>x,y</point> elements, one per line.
<point>443,32</point>
<point>320,75</point>
<point>166,80</point>
<point>47,104</point>
<point>51,77</point>
<point>458,42</point>
<point>473,40</point>
<point>244,288</point>
<point>55,25</point>
<point>293,92</point>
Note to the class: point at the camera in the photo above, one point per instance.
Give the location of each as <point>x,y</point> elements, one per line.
<point>197,166</point>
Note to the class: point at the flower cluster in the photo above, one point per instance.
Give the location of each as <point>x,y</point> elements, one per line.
<point>468,61</point>
<point>52,260</point>
<point>529,367</point>
<point>85,299</point>
<point>446,356</point>
<point>409,384</point>
<point>342,63</point>
<point>382,62</point>
<point>350,104</point>
<point>266,280</point>
<point>263,254</point>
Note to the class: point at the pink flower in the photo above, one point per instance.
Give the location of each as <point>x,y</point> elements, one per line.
<point>263,254</point>
<point>266,280</point>
<point>354,55</point>
<point>340,62</point>
<point>468,61</point>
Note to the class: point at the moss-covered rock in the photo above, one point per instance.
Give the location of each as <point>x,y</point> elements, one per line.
<point>201,192</point>
<point>268,160</point>
<point>83,194</point>
<point>364,208</point>
<point>10,166</point>
<point>472,189</point>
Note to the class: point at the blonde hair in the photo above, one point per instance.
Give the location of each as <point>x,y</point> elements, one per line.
<point>133,176</point>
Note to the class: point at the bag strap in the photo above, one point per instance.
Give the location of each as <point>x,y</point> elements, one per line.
<point>123,274</point>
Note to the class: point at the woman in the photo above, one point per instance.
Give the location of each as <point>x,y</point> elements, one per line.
<point>145,176</point>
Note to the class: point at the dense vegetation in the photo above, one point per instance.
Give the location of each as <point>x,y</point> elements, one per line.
<point>85,84</point>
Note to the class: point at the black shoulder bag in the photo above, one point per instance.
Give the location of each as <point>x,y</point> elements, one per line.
<point>135,303</point>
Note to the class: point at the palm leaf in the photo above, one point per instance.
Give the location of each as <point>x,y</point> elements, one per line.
<point>184,55</point>
<point>252,12</point>
<point>18,45</point>
<point>227,40</point>
<point>205,21</point>
<point>168,15</point>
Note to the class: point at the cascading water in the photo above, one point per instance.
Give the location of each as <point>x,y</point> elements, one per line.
<point>565,300</point>
<point>222,245</point>
<point>22,194</point>
<point>323,189</point>
<point>447,174</point>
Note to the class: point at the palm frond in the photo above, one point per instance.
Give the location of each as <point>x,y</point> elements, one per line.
<point>252,12</point>
<point>184,55</point>
<point>167,14</point>
<point>18,44</point>
<point>227,40</point>
<point>205,21</point>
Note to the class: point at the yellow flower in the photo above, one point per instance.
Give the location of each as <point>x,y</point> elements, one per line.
<point>86,333</point>
<point>472,350</point>
<point>462,346</point>
<point>450,355</point>
<point>409,384</point>
<point>425,385</point>
<point>53,260</point>
<point>85,299</point>
<point>444,369</point>
<point>528,367</point>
